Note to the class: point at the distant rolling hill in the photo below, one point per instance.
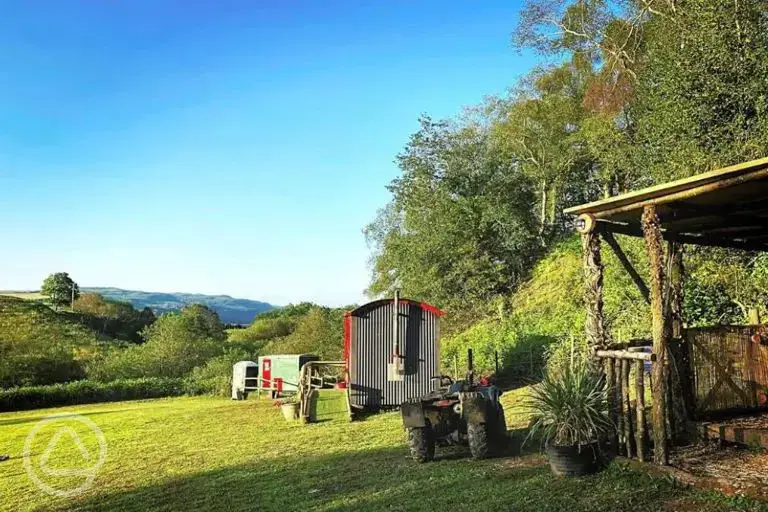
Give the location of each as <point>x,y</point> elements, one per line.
<point>230,310</point>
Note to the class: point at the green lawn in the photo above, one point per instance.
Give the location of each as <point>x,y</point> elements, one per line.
<point>216,454</point>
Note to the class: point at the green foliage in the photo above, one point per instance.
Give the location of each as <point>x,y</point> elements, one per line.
<point>86,392</point>
<point>112,318</point>
<point>457,232</point>
<point>701,101</point>
<point>175,344</point>
<point>40,346</point>
<point>215,376</point>
<point>319,332</point>
<point>60,289</point>
<point>231,310</point>
<point>521,354</point>
<point>569,407</point>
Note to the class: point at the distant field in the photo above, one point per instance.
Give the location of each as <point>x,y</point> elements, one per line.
<point>22,294</point>
<point>217,454</point>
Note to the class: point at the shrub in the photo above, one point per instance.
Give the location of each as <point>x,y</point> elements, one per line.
<point>215,376</point>
<point>86,392</point>
<point>521,355</point>
<point>176,343</point>
<point>39,346</point>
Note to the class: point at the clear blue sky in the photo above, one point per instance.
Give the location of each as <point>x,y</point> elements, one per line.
<point>223,147</point>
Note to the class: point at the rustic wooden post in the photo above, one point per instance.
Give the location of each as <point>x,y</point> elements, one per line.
<point>627,406</point>
<point>619,403</point>
<point>680,382</point>
<point>676,276</point>
<point>653,241</point>
<point>593,274</point>
<point>640,409</point>
<point>610,390</point>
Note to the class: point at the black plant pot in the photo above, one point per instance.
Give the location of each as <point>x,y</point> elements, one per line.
<point>575,460</point>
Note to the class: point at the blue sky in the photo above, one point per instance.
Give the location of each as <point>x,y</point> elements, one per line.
<point>223,147</point>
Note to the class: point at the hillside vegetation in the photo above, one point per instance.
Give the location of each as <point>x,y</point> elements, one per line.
<point>114,350</point>
<point>633,96</point>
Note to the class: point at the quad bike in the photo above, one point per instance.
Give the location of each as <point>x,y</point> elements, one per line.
<point>459,412</point>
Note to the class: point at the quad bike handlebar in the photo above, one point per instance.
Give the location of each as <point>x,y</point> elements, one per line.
<point>445,380</point>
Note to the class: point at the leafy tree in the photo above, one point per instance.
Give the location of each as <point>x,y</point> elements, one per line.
<point>60,289</point>
<point>701,100</point>
<point>175,344</point>
<point>113,318</point>
<point>458,231</point>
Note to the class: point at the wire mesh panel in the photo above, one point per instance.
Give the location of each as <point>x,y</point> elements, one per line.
<point>730,366</point>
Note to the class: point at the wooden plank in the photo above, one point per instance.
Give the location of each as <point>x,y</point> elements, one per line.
<point>628,267</point>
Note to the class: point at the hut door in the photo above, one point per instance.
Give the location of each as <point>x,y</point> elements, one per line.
<point>266,373</point>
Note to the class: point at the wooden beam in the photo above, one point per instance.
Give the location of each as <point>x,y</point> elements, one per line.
<point>625,355</point>
<point>686,238</point>
<point>680,190</point>
<point>622,257</point>
<point>660,329</point>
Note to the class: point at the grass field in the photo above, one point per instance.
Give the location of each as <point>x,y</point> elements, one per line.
<point>216,454</point>
<point>22,295</point>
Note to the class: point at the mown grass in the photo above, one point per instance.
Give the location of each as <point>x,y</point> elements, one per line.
<point>214,454</point>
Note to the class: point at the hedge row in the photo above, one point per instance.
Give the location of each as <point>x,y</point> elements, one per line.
<point>87,392</point>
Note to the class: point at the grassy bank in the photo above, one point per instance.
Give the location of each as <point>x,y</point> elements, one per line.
<point>213,454</point>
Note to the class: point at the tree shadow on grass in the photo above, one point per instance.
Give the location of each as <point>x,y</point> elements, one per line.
<point>386,479</point>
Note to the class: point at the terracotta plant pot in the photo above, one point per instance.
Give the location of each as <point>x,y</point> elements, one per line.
<point>290,411</point>
<point>574,460</point>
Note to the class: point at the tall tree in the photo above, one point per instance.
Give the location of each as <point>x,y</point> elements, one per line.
<point>458,231</point>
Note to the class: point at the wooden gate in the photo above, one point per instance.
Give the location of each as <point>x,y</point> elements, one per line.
<point>730,368</point>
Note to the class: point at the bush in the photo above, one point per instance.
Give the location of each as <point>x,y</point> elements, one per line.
<point>86,392</point>
<point>521,355</point>
<point>215,376</point>
<point>39,346</point>
<point>176,343</point>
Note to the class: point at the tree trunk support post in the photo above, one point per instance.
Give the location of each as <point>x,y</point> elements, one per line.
<point>661,329</point>
<point>593,274</point>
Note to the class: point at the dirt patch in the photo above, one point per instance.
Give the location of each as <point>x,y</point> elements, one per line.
<point>733,470</point>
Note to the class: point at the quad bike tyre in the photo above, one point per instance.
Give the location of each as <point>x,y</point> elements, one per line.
<point>479,443</point>
<point>421,442</point>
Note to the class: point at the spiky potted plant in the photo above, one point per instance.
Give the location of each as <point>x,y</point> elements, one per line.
<point>570,414</point>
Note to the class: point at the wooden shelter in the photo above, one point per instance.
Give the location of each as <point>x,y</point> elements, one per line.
<point>721,208</point>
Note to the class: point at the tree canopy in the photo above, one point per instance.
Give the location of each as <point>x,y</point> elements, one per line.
<point>635,93</point>
<point>60,289</point>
